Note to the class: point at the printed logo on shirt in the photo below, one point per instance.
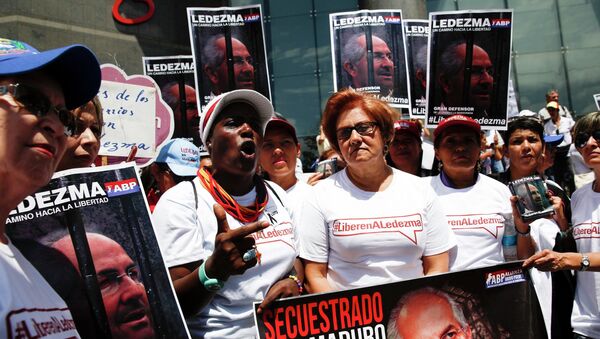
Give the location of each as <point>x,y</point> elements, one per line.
<point>485,222</point>
<point>407,225</point>
<point>40,323</point>
<point>586,230</point>
<point>282,231</point>
<point>503,277</point>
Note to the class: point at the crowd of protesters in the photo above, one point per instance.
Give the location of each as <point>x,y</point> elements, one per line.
<point>236,224</point>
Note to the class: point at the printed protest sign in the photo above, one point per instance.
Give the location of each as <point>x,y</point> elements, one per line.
<point>134,115</point>
<point>89,234</point>
<point>229,49</point>
<point>368,54</point>
<point>174,75</point>
<point>417,35</point>
<point>491,302</point>
<point>469,66</point>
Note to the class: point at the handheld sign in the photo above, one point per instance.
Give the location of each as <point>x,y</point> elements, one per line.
<point>134,116</point>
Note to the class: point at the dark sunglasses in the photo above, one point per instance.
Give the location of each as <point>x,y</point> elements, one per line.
<point>39,105</point>
<point>582,138</point>
<point>363,128</point>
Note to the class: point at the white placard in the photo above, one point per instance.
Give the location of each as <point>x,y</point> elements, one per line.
<point>129,119</point>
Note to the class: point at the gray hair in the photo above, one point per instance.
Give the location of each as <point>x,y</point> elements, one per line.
<point>392,332</point>
<point>550,91</point>
<point>450,62</point>
<point>211,55</point>
<point>171,99</point>
<point>421,58</point>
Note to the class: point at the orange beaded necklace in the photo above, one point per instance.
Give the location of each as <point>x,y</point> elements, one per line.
<point>241,213</point>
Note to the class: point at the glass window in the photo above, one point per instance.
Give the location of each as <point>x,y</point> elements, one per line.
<point>441,5</point>
<point>293,46</point>
<point>536,73</point>
<point>478,4</point>
<point>297,98</point>
<point>580,26</point>
<point>583,69</point>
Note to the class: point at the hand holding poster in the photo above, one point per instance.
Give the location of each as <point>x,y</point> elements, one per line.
<point>417,35</point>
<point>469,66</point>
<point>228,45</point>
<point>491,302</point>
<point>89,234</point>
<point>368,54</point>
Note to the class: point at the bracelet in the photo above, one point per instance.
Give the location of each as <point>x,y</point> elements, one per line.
<point>523,234</point>
<point>298,282</point>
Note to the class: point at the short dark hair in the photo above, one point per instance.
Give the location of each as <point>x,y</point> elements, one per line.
<point>526,123</point>
<point>164,167</point>
<point>348,99</point>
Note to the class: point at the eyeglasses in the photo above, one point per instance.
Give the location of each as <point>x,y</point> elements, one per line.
<point>363,128</point>
<point>39,105</point>
<point>582,138</point>
<point>110,282</point>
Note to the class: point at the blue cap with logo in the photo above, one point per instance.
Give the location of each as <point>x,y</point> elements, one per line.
<point>182,157</point>
<point>74,67</point>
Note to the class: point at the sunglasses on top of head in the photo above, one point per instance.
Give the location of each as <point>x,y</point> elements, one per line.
<point>34,101</point>
<point>582,138</point>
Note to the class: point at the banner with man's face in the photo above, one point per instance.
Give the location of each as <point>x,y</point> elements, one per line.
<point>89,233</point>
<point>469,66</point>
<point>491,302</point>
<point>417,35</point>
<point>174,75</point>
<point>368,54</point>
<point>229,50</point>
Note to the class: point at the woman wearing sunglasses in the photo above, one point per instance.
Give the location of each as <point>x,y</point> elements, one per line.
<point>84,144</point>
<point>585,204</point>
<point>37,89</point>
<point>369,224</point>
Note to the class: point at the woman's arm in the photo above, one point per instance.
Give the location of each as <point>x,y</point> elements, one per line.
<point>286,287</point>
<point>548,260</point>
<point>525,245</point>
<point>226,260</point>
<point>316,277</point>
<point>437,263</point>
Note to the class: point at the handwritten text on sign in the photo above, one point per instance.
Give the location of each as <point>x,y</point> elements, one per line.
<point>128,112</point>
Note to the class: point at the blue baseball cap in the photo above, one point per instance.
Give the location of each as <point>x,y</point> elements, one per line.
<point>553,140</point>
<point>182,157</point>
<point>74,67</point>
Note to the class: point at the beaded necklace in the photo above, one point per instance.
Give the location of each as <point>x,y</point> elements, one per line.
<point>241,213</point>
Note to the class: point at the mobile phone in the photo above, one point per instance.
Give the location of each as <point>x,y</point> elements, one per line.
<point>327,167</point>
<point>533,200</point>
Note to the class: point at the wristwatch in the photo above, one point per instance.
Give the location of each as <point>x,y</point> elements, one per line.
<point>210,284</point>
<point>585,263</point>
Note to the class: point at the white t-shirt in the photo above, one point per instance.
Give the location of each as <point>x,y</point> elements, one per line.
<point>543,233</point>
<point>29,307</point>
<point>564,127</point>
<point>369,238</point>
<point>476,215</point>
<point>295,199</point>
<point>586,231</point>
<point>186,235</point>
